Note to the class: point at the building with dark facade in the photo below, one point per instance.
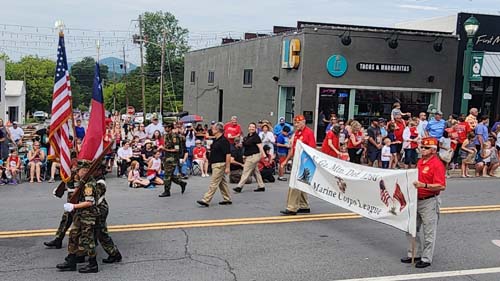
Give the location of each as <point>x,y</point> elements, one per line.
<point>485,93</point>
<point>317,69</point>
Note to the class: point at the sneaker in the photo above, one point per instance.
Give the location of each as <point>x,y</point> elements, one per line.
<point>282,179</point>
<point>51,180</point>
<point>2,183</point>
<point>124,176</point>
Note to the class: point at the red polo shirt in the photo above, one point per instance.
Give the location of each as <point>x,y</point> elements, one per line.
<point>306,135</point>
<point>431,172</point>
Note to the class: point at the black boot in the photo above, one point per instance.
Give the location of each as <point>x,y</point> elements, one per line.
<point>56,243</point>
<point>183,186</point>
<point>79,259</point>
<point>91,267</point>
<point>69,264</point>
<point>113,259</point>
<point>166,192</point>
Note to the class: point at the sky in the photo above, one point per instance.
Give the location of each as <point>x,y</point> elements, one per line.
<point>26,26</point>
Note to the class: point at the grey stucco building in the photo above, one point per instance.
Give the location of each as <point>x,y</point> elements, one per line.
<point>355,72</point>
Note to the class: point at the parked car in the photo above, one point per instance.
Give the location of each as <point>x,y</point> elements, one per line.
<point>40,115</point>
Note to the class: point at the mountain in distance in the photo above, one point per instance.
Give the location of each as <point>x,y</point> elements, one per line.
<point>109,63</point>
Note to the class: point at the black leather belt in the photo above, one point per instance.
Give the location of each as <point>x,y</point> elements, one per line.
<point>428,197</point>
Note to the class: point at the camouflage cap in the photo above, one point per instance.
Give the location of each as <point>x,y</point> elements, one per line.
<point>84,164</point>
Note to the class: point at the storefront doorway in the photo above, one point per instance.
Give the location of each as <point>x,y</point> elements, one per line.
<point>332,102</point>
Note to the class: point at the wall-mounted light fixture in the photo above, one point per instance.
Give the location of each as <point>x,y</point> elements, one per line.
<point>438,46</point>
<point>345,38</point>
<point>393,41</point>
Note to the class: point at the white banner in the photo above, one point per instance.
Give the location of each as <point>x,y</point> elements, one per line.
<point>383,195</point>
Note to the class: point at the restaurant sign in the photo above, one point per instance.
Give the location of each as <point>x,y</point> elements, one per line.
<point>383,67</point>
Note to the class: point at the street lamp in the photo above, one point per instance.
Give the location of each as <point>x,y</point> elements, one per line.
<point>471,25</point>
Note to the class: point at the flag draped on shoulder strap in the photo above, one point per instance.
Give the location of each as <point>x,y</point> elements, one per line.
<point>61,113</point>
<point>93,144</point>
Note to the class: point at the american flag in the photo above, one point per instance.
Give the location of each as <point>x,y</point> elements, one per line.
<point>61,113</point>
<point>398,195</point>
<point>384,195</point>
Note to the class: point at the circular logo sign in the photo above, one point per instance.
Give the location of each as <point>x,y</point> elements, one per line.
<point>336,65</point>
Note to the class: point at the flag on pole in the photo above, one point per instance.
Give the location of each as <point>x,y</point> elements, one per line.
<point>398,195</point>
<point>61,113</point>
<point>93,144</point>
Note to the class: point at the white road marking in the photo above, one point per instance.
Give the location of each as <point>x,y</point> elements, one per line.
<point>429,275</point>
<point>496,242</point>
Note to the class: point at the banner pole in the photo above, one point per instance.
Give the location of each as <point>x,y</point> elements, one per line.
<point>413,243</point>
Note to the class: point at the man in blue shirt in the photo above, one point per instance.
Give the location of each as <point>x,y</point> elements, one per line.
<point>279,127</point>
<point>435,127</point>
<point>283,144</point>
<point>79,130</point>
<point>481,132</point>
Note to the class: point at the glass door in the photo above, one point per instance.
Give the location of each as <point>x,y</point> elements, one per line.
<point>332,102</point>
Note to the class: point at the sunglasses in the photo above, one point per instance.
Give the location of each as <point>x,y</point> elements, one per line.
<point>426,147</point>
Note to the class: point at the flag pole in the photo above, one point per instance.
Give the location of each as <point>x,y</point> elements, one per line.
<point>60,26</point>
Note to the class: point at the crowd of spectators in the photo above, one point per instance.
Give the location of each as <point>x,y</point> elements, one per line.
<point>464,141</point>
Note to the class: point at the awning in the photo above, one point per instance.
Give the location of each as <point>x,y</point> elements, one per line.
<point>491,65</point>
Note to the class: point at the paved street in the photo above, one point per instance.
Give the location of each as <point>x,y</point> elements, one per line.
<point>174,239</point>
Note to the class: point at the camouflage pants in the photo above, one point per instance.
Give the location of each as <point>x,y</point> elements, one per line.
<point>169,165</point>
<point>101,230</point>
<point>66,221</point>
<point>81,236</point>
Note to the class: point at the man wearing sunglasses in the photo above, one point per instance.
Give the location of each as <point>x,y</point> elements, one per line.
<point>431,181</point>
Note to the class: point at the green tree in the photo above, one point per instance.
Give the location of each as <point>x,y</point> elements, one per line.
<point>82,79</point>
<point>39,76</point>
<point>154,23</point>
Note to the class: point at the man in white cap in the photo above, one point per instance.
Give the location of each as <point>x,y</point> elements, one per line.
<point>154,126</point>
<point>281,124</point>
<point>17,133</point>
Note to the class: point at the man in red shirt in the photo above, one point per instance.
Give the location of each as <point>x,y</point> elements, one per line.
<point>398,133</point>
<point>232,130</point>
<point>297,200</point>
<point>431,181</point>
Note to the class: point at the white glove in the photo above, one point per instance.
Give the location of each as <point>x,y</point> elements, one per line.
<point>181,161</point>
<point>68,207</point>
<point>54,191</point>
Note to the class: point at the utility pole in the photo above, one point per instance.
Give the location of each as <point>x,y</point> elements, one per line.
<point>125,76</point>
<point>114,85</point>
<point>142,67</point>
<point>161,71</point>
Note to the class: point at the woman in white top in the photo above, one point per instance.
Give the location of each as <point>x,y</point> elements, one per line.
<point>267,137</point>
<point>134,176</point>
<point>141,133</point>
<point>154,169</point>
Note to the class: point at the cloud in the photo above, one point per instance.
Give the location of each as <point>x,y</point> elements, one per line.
<point>419,7</point>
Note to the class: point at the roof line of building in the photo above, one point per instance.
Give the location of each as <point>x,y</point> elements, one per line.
<point>360,28</point>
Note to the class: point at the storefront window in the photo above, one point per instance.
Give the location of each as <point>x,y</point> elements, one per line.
<point>372,104</point>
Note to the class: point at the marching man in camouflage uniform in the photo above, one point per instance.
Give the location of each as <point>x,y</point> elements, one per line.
<point>86,214</point>
<point>66,220</point>
<point>101,228</point>
<point>172,147</point>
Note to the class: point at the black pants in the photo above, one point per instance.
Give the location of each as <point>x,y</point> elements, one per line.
<point>123,167</point>
<point>354,156</point>
<point>267,175</point>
